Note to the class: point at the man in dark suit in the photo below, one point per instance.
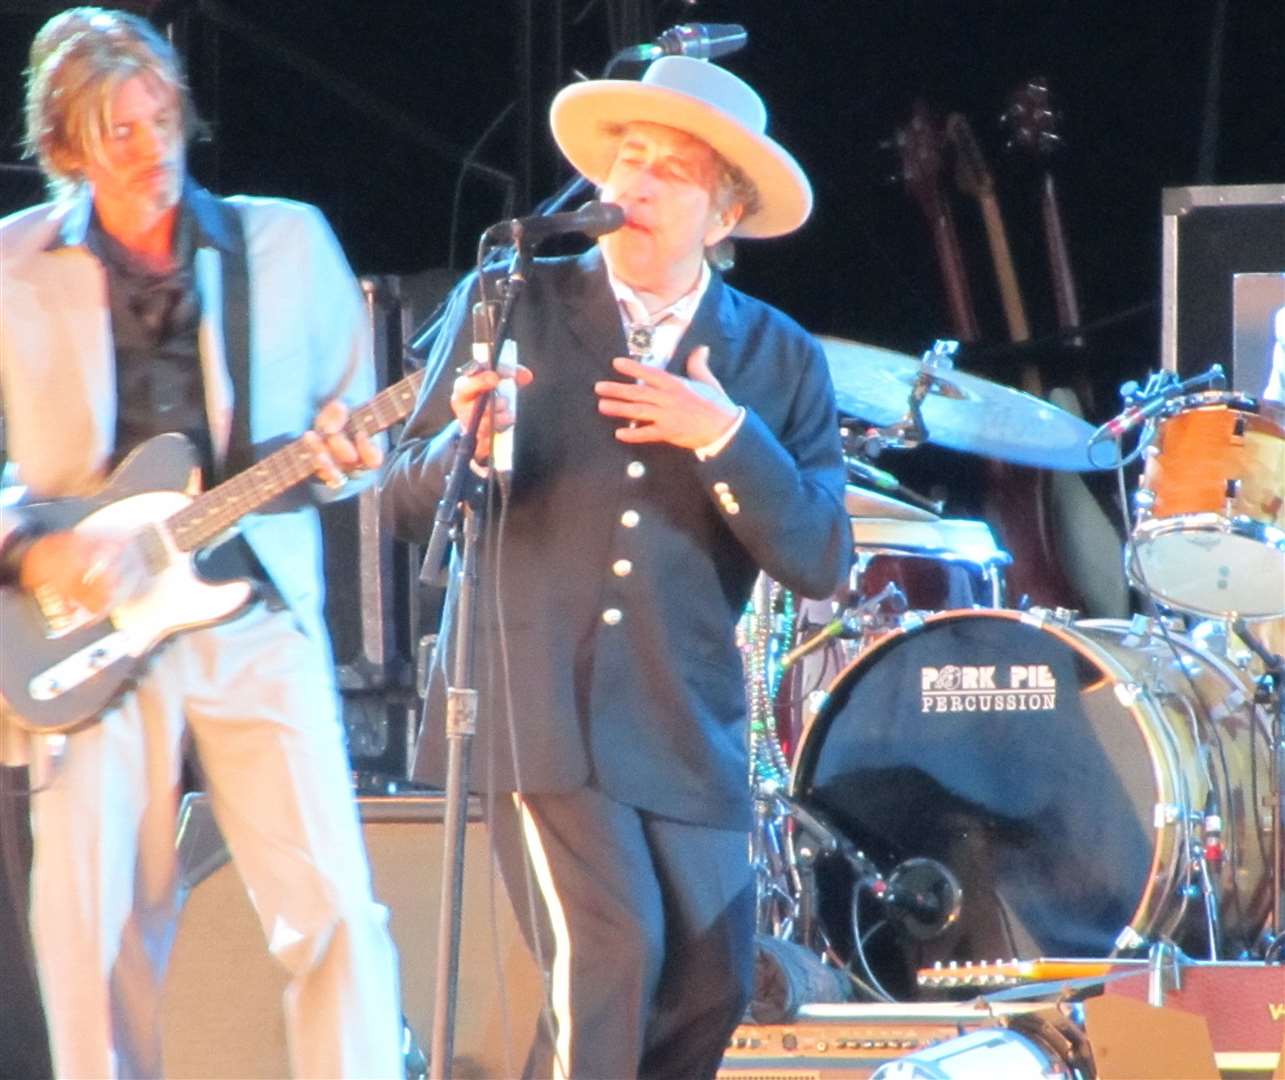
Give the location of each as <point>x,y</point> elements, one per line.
<point>675,437</point>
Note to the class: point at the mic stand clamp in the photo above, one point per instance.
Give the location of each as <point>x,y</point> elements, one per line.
<point>460,516</point>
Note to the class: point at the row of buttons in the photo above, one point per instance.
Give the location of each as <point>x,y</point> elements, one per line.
<point>725,496</point>
<point>635,470</point>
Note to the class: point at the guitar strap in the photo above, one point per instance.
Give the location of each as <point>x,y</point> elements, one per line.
<point>236,338</point>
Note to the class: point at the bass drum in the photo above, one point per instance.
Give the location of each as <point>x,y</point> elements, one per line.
<point>1058,771</point>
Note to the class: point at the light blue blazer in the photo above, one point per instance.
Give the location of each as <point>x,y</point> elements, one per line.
<point>309,341</point>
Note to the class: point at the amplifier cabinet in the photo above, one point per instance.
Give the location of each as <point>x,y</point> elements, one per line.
<point>835,1042</point>
<point>222,1012</point>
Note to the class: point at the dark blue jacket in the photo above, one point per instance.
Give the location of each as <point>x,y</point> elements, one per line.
<point>651,708</point>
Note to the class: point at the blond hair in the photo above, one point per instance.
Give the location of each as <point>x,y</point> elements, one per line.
<point>78,60</point>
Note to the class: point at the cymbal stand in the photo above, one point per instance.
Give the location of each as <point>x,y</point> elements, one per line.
<point>1271,693</point>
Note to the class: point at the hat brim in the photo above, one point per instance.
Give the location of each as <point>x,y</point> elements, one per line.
<point>584,115</point>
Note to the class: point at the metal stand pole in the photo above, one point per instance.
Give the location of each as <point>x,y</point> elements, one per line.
<point>462,695</point>
<point>461,723</point>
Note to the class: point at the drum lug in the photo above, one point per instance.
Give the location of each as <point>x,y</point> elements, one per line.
<point>910,622</point>
<point>1128,940</point>
<point>1165,814</point>
<point>1127,693</point>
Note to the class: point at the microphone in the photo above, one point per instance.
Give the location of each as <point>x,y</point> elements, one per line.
<point>1141,412</point>
<point>593,219</point>
<point>859,470</point>
<point>923,896</point>
<point>507,390</point>
<point>701,41</point>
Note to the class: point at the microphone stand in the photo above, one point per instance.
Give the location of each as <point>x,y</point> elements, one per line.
<point>462,694</point>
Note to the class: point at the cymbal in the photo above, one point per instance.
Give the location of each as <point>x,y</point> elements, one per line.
<point>962,411</point>
<point>866,503</point>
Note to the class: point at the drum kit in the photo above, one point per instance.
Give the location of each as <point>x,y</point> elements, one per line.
<point>940,778</point>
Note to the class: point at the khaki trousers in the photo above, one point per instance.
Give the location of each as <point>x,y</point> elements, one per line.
<point>258,699</point>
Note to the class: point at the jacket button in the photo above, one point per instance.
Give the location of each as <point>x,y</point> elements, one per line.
<point>630,518</point>
<point>635,470</point>
<point>612,616</point>
<point>622,568</point>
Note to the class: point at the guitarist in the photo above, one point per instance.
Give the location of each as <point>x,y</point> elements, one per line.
<point>134,304</point>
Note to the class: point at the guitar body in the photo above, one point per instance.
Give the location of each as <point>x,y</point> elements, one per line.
<point>61,668</point>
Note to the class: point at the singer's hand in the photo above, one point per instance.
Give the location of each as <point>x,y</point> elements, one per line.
<point>691,412</point>
<point>468,388</point>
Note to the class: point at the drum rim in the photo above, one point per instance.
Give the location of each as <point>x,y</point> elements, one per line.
<point>996,557</point>
<point>1170,839</point>
<point>1211,399</point>
<point>1205,521</point>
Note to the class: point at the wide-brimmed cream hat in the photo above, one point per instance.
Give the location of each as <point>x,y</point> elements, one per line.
<point>707,102</point>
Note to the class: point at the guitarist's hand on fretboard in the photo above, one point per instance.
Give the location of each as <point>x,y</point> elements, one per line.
<point>340,452</point>
<point>92,572</point>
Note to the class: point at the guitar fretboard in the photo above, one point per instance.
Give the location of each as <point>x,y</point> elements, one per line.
<point>224,505</point>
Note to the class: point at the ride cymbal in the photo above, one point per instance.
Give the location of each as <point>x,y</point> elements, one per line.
<point>961,411</point>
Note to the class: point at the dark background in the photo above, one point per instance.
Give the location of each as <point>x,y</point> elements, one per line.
<point>369,109</point>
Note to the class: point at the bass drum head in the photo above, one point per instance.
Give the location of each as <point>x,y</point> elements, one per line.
<point>1005,752</point>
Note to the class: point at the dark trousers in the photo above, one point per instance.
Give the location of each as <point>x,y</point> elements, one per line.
<point>24,1042</point>
<point>643,926</point>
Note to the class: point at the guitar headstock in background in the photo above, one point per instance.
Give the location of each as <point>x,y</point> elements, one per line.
<point>972,174</point>
<point>1031,120</point>
<point>920,144</point>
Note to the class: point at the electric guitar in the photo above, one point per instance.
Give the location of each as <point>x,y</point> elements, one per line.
<point>61,666</point>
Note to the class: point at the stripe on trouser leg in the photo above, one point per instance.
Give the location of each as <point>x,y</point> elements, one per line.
<point>560,975</point>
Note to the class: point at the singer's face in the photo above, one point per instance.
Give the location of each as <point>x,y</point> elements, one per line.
<point>665,181</point>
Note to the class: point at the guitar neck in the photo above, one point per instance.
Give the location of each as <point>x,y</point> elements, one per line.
<point>1010,292</point>
<point>954,275</point>
<point>1068,306</point>
<point>218,509</point>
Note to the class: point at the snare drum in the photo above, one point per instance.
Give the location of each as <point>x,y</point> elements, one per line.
<point>1210,531</point>
<point>1060,772</point>
<point>933,565</point>
<point>938,565</point>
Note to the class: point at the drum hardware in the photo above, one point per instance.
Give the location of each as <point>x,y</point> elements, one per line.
<point>927,399</point>
<point>868,617</point>
<point>1143,404</point>
<point>1270,694</point>
<point>862,502</point>
<point>919,895</point>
